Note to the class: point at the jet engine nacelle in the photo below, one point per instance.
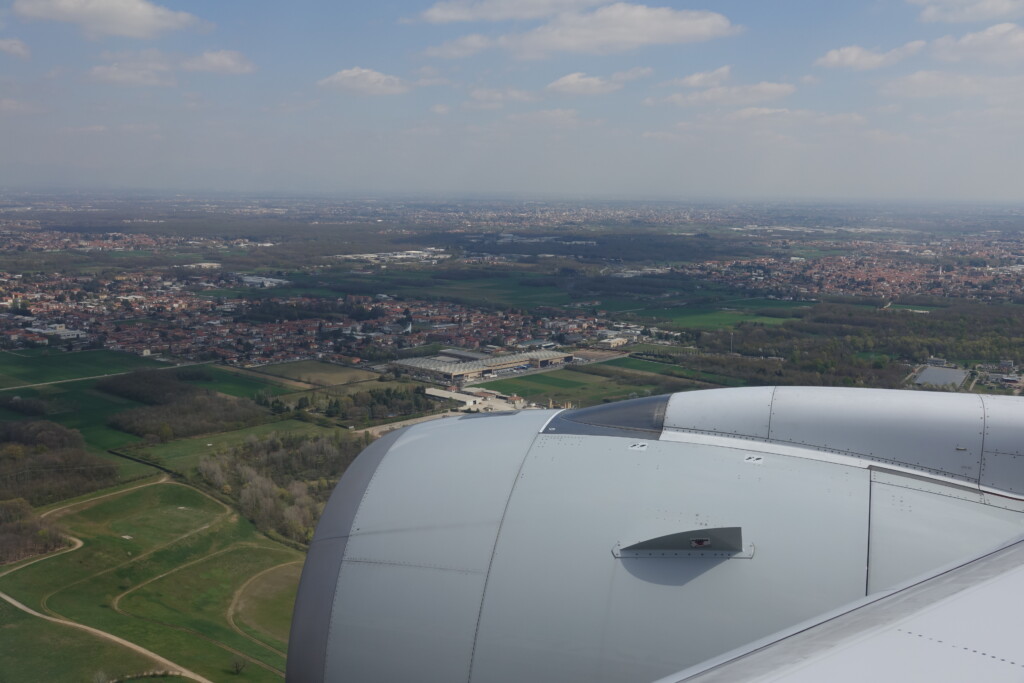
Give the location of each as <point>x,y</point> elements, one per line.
<point>627,541</point>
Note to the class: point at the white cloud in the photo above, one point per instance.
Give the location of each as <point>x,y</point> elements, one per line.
<point>500,10</point>
<point>220,62</point>
<point>704,79</point>
<point>366,81</point>
<point>146,68</point>
<point>490,98</point>
<point>615,28</point>
<point>633,74</point>
<point>11,106</point>
<point>565,118</point>
<point>929,84</point>
<point>128,18</point>
<point>14,47</point>
<point>734,95</point>
<point>955,11</point>
<point>465,46</point>
<point>999,44</point>
<point>862,59</point>
<point>581,84</point>
<point>801,116</point>
<point>440,109</point>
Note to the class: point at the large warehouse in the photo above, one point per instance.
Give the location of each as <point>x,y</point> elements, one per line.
<point>449,369</point>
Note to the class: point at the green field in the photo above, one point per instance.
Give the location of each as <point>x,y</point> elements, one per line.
<point>39,366</point>
<point>318,373</point>
<point>240,384</point>
<point>160,567</point>
<point>263,608</point>
<point>82,655</point>
<point>674,371</point>
<point>183,454</point>
<point>79,405</point>
<point>561,386</point>
<point>704,319</point>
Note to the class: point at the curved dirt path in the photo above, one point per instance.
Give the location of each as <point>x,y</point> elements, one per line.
<point>237,597</point>
<point>76,544</point>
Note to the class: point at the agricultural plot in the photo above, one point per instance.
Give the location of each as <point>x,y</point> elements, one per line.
<point>318,373</point>
<point>240,384</point>
<point>79,405</point>
<point>669,370</point>
<point>703,318</point>
<point>183,455</point>
<point>41,366</point>
<point>82,655</point>
<point>160,566</point>
<point>562,386</point>
<point>263,606</point>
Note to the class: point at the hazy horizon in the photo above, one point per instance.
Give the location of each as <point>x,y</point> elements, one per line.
<point>895,100</point>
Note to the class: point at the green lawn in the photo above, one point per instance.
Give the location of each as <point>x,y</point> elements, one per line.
<point>241,384</point>
<point>183,454</point>
<point>264,607</point>
<point>317,372</point>
<point>704,319</point>
<point>38,366</point>
<point>79,405</point>
<point>159,567</point>
<point>674,371</point>
<point>29,644</point>
<point>561,386</point>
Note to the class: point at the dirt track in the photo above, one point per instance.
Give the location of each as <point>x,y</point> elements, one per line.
<point>167,664</point>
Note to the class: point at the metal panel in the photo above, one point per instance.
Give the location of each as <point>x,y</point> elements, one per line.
<point>559,606</point>
<point>961,625</point>
<point>919,525</point>
<point>411,581</point>
<point>401,623</point>
<point>930,432</point>
<point>438,497</point>
<point>1003,461</point>
<point>308,642</point>
<point>736,412</point>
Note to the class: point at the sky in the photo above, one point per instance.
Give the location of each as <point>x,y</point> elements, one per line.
<point>728,99</point>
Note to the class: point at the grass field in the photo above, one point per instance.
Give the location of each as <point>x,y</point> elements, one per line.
<point>82,655</point>
<point>160,567</point>
<point>317,372</point>
<point>79,405</point>
<point>182,455</point>
<point>263,607</point>
<point>241,384</point>
<point>561,386</point>
<point>38,366</point>
<point>704,319</point>
<point>674,371</point>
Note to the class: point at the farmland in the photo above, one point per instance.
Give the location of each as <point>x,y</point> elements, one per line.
<point>317,373</point>
<point>39,366</point>
<point>563,386</point>
<point>160,567</point>
<point>182,455</point>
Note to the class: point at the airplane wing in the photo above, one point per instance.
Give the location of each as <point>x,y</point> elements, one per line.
<point>688,533</point>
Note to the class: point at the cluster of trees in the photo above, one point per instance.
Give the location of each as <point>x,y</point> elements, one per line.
<point>175,408</point>
<point>26,406</point>
<point>282,482</point>
<point>378,404</point>
<point>23,534</point>
<point>42,462</point>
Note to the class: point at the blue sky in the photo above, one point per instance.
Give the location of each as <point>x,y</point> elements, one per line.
<point>788,99</point>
